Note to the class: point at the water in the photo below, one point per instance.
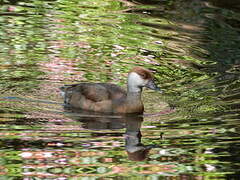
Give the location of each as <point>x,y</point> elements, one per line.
<point>191,131</point>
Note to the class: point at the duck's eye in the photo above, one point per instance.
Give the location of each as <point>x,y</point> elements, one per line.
<point>144,76</point>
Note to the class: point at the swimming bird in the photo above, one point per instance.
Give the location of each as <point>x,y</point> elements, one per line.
<point>110,98</point>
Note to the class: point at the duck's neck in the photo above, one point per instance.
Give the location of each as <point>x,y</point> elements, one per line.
<point>134,93</point>
<point>133,101</point>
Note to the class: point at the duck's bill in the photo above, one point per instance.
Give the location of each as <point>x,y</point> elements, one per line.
<point>153,86</point>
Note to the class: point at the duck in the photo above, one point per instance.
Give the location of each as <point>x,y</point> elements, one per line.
<point>108,97</point>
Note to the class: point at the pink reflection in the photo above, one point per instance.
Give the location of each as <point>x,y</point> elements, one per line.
<point>61,69</point>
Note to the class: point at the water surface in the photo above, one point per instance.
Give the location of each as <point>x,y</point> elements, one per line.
<point>191,131</point>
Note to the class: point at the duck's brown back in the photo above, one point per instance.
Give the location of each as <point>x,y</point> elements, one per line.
<point>93,96</point>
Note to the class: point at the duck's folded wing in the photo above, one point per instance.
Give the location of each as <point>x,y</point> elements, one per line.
<point>95,91</point>
<point>114,91</point>
<point>102,91</point>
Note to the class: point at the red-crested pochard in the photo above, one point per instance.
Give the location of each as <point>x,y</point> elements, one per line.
<point>110,98</point>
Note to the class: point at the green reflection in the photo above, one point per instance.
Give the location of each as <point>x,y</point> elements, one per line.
<point>47,43</point>
<point>23,45</point>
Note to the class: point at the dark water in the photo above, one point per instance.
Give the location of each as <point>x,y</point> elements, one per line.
<point>191,131</point>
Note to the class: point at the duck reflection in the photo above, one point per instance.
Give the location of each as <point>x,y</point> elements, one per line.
<point>135,149</point>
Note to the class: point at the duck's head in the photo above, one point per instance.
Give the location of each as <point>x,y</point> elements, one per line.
<point>138,78</point>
